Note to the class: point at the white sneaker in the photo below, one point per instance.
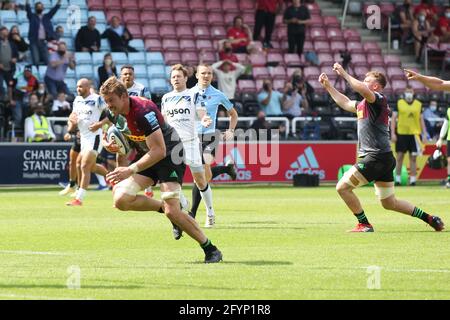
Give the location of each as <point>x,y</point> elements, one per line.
<point>447,185</point>
<point>67,190</point>
<point>184,203</point>
<point>210,221</point>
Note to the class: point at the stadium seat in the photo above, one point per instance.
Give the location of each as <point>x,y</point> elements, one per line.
<point>355,47</point>
<point>418,87</point>
<point>214,6</point>
<point>112,4</point>
<point>322,47</point>
<point>351,35</point>
<point>318,34</point>
<point>171,58</point>
<point>337,46</point>
<point>42,71</point>
<point>96,5</point>
<point>332,75</point>
<point>204,45</point>
<point>375,60</point>
<point>275,58</point>
<point>260,73</point>
<point>231,6</point>
<point>101,27</point>
<point>311,73</point>
<point>281,34</point>
<point>147,17</point>
<point>216,19</point>
<point>335,34</point>
<point>150,31</point>
<point>359,59</point>
<point>143,81</point>
<point>164,17</point>
<point>138,44</point>
<point>105,46</point>
<point>246,86</point>
<point>130,5</point>
<point>360,71</point>
<point>209,57</point>
<point>83,58</point>
<point>180,6</point>
<point>218,32</point>
<point>154,58</point>
<point>392,60</point>
<point>313,8</point>
<point>131,16</point>
<point>278,72</point>
<point>188,45</point>
<point>135,30</point>
<point>398,86</point>
<point>290,72</point>
<point>242,58</point>
<point>84,71</point>
<point>183,18</point>
<point>202,32</point>
<point>257,60</point>
<point>189,57</point>
<point>156,71</point>
<point>331,22</point>
<point>185,32</point>
<point>158,86</point>
<point>197,5</point>
<point>137,57</point>
<point>326,59</point>
<point>371,47</point>
<point>140,70</point>
<point>22,16</point>
<point>395,73</point>
<point>97,58</point>
<point>71,85</point>
<point>316,21</point>
<point>8,16</point>
<point>198,18</point>
<point>146,5</point>
<point>170,44</point>
<point>70,73</point>
<point>167,31</point>
<point>112,13</point>
<point>292,60</point>
<point>24,28</point>
<point>119,57</point>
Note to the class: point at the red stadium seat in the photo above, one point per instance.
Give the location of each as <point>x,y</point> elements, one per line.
<point>326,59</point>
<point>112,4</point>
<point>164,17</point>
<point>180,6</point>
<point>318,34</point>
<point>147,17</point>
<point>130,5</point>
<point>231,6</point>
<point>170,44</point>
<point>418,87</point>
<point>260,73</point>
<point>292,60</point>
<point>135,30</point>
<point>247,6</point>
<point>216,19</point>
<point>351,35</point>
<point>313,8</point>
<point>167,31</point>
<point>359,59</point>
<point>335,34</point>
<point>96,5</point>
<point>258,60</point>
<point>242,58</point>
<point>360,71</point>
<point>278,72</point>
<point>278,84</point>
<point>392,60</point>
<point>395,73</point>
<point>131,17</point>
<point>113,13</point>
<point>371,47</point>
<point>185,32</point>
<point>379,69</point>
<point>201,32</point>
<point>150,31</point>
<point>316,21</point>
<point>204,45</point>
<point>328,70</point>
<point>321,46</point>
<point>197,5</point>
<point>189,58</point>
<point>165,5</point>
<point>355,47</point>
<point>218,32</point>
<point>275,58</point>
<point>311,73</point>
<point>375,60</point>
<point>249,19</point>
<point>188,45</point>
<point>182,18</point>
<point>172,58</point>
<point>337,46</point>
<point>209,57</point>
<point>248,86</point>
<point>214,6</point>
<point>198,18</point>
<point>281,34</point>
<point>153,44</point>
<point>290,72</point>
<point>146,4</point>
<point>331,22</point>
<point>398,86</point>
<point>318,89</point>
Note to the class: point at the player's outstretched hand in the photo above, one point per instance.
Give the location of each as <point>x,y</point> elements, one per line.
<point>119,174</point>
<point>110,146</point>
<point>339,69</point>
<point>323,79</point>
<point>411,75</point>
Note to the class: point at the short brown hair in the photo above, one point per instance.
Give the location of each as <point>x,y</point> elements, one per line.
<point>179,67</point>
<point>379,77</point>
<point>113,86</point>
<point>204,65</point>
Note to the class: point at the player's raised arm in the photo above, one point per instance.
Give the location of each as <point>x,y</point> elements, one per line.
<point>342,100</point>
<point>356,85</point>
<point>430,82</point>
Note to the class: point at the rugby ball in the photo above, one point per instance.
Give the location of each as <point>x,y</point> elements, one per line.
<point>115,135</point>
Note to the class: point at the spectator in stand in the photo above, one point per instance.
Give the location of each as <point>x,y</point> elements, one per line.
<point>294,104</point>
<point>43,96</point>
<point>297,18</point>
<point>21,45</point>
<point>227,77</point>
<point>422,31</point>
<point>239,35</point>
<point>226,51</point>
<point>61,108</point>
<point>52,45</point>
<point>8,59</point>
<point>261,127</point>
<point>192,79</point>
<point>41,30</point>
<point>56,70</point>
<point>431,11</point>
<point>298,81</point>
<point>406,15</point>
<point>26,84</point>
<point>88,37</point>
<point>106,70</point>
<point>266,11</point>
<point>270,100</point>
<point>442,30</point>
<point>432,125</point>
<point>37,127</point>
<point>118,36</point>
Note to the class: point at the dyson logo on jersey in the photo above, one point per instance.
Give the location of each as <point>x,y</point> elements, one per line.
<point>174,112</point>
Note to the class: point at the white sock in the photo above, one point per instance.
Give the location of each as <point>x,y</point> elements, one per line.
<point>207,197</point>
<point>183,201</point>
<point>101,180</point>
<point>398,179</point>
<point>81,193</point>
<point>412,179</point>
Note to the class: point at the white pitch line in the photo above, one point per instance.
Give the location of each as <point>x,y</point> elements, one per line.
<point>19,296</point>
<point>412,270</point>
<point>39,253</point>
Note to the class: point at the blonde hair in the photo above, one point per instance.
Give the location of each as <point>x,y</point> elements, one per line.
<point>113,86</point>
<point>379,77</point>
<point>180,67</point>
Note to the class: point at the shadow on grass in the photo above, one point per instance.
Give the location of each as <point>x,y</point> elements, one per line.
<point>253,263</point>
<point>257,228</point>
